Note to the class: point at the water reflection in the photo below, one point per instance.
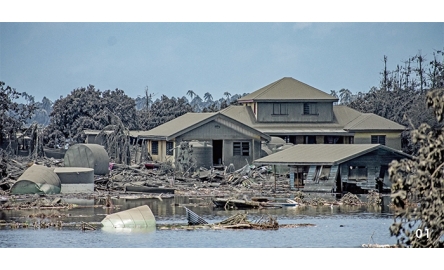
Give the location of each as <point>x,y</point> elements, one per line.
<point>111,230</point>
<point>93,210</point>
<point>337,226</point>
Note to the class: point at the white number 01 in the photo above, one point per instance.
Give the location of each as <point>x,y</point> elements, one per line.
<point>419,233</point>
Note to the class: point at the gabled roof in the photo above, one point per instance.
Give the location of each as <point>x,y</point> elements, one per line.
<point>190,121</point>
<point>323,154</point>
<point>345,121</point>
<point>287,89</point>
<point>177,124</point>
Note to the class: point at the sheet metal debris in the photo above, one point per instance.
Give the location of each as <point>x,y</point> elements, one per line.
<point>194,219</point>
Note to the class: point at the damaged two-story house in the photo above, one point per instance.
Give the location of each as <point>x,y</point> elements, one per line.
<point>299,114</point>
<point>302,114</point>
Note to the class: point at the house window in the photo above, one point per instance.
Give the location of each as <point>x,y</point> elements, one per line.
<point>357,173</point>
<point>378,139</point>
<point>169,148</point>
<point>280,109</point>
<point>241,148</point>
<point>154,147</point>
<point>309,108</point>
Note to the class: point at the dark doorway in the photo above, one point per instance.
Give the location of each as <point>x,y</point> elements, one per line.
<point>217,152</point>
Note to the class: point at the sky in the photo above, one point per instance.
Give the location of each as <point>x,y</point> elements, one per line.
<point>55,54</point>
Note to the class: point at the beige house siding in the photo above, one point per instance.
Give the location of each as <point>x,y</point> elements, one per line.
<point>392,139</point>
<point>319,139</point>
<point>161,156</point>
<point>253,106</point>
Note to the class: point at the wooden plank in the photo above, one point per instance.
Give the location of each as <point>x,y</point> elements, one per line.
<point>333,173</point>
<point>311,173</point>
<point>149,189</point>
<point>344,173</point>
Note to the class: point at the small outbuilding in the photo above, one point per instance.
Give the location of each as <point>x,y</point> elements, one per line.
<point>354,168</point>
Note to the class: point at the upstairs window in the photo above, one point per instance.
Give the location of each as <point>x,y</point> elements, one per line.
<point>309,108</point>
<point>154,148</point>
<point>169,148</point>
<point>378,139</point>
<point>241,148</point>
<point>280,109</point>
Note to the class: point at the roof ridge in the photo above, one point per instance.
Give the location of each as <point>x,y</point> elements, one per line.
<point>361,120</point>
<point>269,87</point>
<point>348,108</point>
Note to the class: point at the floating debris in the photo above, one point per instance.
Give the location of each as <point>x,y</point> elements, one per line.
<point>138,217</point>
<point>193,218</point>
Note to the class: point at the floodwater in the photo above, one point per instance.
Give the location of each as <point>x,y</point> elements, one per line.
<point>335,227</point>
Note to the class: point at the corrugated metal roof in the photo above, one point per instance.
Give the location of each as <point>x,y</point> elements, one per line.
<point>322,154</point>
<point>370,121</point>
<point>190,121</point>
<point>345,120</point>
<point>177,124</point>
<point>287,89</point>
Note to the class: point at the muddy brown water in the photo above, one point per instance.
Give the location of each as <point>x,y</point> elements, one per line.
<point>335,227</point>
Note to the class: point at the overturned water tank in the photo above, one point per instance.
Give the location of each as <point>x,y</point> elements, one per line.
<point>138,217</point>
<point>88,156</point>
<point>37,179</point>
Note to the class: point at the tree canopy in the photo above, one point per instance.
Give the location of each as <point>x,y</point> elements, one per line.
<point>401,96</point>
<point>162,111</point>
<point>84,108</point>
<point>418,185</point>
<point>13,115</point>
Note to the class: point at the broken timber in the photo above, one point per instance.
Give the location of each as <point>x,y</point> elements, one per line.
<point>143,189</point>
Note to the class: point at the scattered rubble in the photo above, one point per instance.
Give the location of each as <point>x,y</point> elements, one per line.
<point>159,180</point>
<point>350,199</point>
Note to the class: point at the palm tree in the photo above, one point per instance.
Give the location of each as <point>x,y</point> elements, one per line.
<point>228,95</point>
<point>335,94</point>
<point>191,94</point>
<point>345,96</point>
<point>208,97</point>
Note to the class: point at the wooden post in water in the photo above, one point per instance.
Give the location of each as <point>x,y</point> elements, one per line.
<point>274,169</point>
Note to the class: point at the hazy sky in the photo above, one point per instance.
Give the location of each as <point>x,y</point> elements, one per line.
<point>51,59</point>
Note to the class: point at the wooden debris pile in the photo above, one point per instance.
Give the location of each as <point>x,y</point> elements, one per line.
<point>41,224</point>
<point>40,203</point>
<point>374,198</point>
<point>317,201</point>
<point>350,199</point>
<point>240,221</point>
